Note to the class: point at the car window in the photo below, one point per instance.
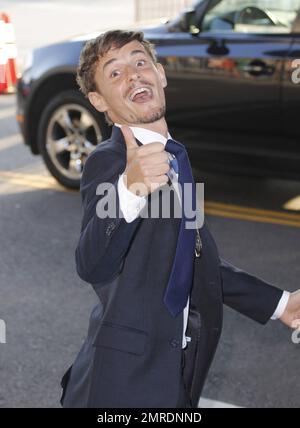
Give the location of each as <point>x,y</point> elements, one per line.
<point>256,16</point>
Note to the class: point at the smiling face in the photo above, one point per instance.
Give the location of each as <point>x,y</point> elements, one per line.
<point>131,86</point>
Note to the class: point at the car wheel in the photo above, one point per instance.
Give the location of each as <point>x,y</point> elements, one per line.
<point>69,130</point>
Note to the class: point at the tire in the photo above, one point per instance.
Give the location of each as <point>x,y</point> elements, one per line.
<point>70,129</point>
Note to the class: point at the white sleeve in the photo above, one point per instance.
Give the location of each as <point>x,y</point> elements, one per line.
<point>281,305</point>
<point>131,205</point>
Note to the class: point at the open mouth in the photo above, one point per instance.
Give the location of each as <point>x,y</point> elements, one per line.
<point>141,95</point>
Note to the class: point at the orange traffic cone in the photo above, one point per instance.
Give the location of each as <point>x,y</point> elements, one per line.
<point>8,55</point>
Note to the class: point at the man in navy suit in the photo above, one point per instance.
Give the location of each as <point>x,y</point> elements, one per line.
<point>153,335</point>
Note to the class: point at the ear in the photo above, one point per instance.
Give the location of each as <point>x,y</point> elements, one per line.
<point>97,101</point>
<point>162,74</point>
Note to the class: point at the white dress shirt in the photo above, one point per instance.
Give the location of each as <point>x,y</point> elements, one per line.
<point>131,206</point>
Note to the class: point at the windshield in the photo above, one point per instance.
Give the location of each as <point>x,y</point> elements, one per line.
<point>276,16</point>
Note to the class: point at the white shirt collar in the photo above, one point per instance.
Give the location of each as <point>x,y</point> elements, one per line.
<point>145,136</point>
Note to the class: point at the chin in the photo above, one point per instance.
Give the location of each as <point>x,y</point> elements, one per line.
<point>152,116</point>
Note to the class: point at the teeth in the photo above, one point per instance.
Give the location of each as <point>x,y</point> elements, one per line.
<point>138,91</point>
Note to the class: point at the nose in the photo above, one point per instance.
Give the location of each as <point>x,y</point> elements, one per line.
<point>132,73</point>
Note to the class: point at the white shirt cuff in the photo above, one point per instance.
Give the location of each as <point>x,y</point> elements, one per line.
<point>131,205</point>
<point>281,306</point>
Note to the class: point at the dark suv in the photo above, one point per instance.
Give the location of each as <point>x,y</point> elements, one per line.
<point>232,97</point>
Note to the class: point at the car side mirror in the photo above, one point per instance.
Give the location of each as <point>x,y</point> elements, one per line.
<point>186,22</point>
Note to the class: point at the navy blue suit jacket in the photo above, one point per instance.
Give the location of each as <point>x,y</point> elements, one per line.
<point>132,353</point>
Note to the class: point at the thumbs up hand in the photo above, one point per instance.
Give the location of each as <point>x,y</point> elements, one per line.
<point>146,165</point>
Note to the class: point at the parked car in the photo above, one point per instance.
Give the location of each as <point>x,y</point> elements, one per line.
<point>233,95</point>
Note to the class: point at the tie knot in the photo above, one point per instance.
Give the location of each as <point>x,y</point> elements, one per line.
<point>174,147</point>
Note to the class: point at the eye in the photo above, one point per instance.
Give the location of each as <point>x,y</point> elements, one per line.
<point>115,73</point>
<point>141,62</point>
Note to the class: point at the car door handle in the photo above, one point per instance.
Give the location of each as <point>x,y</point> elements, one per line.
<point>257,68</point>
<point>252,68</point>
<point>217,47</point>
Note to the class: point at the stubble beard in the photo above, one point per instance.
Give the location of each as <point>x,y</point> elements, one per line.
<point>152,117</point>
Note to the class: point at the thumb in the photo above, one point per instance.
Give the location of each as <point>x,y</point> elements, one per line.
<point>129,137</point>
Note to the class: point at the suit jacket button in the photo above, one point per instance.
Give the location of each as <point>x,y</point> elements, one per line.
<point>174,343</point>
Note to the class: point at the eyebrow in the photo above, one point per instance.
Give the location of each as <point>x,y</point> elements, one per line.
<point>135,52</point>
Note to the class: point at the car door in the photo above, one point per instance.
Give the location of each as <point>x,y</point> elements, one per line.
<point>224,73</point>
<point>291,90</point>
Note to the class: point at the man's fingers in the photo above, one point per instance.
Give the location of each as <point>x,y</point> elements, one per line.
<point>147,165</point>
<point>129,137</point>
<point>156,170</point>
<point>158,180</point>
<point>150,148</point>
<point>155,158</point>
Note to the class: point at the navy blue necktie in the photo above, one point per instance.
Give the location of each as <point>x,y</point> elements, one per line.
<point>181,277</point>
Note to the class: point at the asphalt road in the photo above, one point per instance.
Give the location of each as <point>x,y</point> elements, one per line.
<point>46,307</point>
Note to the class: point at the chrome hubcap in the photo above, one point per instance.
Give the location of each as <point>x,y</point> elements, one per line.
<point>72,135</point>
